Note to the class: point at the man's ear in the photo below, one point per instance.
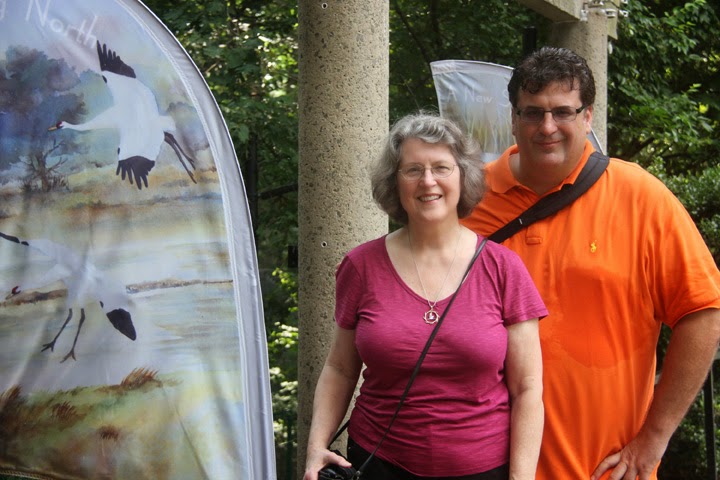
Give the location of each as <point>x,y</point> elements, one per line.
<point>588,112</point>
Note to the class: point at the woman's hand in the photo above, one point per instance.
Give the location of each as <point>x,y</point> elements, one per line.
<point>318,458</point>
<point>332,396</point>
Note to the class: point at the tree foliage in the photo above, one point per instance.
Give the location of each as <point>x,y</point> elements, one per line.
<point>663,98</point>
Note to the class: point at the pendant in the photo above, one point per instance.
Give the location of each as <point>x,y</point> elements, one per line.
<point>431,317</point>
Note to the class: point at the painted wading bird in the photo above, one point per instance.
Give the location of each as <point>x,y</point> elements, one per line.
<point>135,115</point>
<point>84,284</point>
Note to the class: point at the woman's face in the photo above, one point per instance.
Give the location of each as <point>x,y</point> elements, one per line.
<point>434,195</point>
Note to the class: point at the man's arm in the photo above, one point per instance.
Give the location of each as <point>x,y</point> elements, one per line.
<point>688,359</point>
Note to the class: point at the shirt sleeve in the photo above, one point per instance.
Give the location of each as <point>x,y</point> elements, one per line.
<point>681,271</point>
<point>521,299</point>
<point>348,291</point>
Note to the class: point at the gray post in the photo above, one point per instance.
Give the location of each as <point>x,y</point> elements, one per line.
<point>343,118</point>
<point>590,40</point>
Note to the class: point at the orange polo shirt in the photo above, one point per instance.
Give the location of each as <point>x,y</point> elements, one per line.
<point>621,260</point>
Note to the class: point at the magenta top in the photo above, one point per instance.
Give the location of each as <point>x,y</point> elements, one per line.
<point>456,418</point>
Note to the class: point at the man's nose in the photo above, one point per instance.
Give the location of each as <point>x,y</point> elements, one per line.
<point>548,123</point>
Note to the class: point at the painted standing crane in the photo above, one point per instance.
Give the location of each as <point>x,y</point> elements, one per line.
<point>84,283</point>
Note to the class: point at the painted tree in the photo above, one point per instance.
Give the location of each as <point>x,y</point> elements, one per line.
<point>29,105</point>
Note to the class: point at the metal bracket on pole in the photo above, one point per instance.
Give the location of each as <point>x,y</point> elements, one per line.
<point>610,9</point>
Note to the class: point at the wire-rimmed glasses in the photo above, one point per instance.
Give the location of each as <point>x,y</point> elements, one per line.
<point>416,171</point>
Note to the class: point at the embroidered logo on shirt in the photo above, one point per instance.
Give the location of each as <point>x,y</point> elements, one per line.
<point>593,247</point>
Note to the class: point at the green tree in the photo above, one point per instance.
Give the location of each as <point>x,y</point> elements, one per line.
<point>663,98</point>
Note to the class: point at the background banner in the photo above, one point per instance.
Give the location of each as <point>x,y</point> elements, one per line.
<point>132,342</point>
<point>474,94</point>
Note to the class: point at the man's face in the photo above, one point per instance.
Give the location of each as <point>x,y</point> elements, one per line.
<point>549,147</point>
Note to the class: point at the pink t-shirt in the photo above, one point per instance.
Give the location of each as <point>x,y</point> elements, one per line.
<point>456,418</point>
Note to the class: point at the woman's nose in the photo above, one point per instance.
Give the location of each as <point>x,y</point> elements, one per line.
<point>428,177</point>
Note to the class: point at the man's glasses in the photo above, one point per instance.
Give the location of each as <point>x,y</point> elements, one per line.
<point>559,114</point>
<point>415,171</point>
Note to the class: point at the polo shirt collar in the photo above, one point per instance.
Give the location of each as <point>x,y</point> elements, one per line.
<point>502,179</point>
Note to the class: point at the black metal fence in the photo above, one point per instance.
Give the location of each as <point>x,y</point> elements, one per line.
<point>710,441</point>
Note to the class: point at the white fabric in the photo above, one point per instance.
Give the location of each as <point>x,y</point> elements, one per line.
<point>173,263</point>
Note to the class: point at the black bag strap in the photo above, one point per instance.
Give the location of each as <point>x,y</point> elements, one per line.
<point>556,201</point>
<point>358,474</point>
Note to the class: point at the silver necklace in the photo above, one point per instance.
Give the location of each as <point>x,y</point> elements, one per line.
<point>431,317</point>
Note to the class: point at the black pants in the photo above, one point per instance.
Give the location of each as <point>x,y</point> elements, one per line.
<point>379,469</point>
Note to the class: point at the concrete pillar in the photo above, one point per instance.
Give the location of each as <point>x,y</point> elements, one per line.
<point>343,117</point>
<point>590,40</point>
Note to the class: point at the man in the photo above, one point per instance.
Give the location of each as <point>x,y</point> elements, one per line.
<point>612,267</point>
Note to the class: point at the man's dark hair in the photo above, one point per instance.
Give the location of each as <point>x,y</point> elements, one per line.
<point>549,65</point>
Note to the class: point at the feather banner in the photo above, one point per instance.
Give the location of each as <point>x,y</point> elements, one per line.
<point>132,341</point>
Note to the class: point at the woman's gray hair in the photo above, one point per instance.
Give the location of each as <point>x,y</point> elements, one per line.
<point>433,129</point>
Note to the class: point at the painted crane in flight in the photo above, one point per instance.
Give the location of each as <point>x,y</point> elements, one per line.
<point>135,115</point>
<point>84,283</point>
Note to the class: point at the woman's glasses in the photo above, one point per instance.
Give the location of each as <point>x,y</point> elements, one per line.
<point>416,171</point>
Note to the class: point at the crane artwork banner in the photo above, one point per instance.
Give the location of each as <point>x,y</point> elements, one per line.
<point>132,340</point>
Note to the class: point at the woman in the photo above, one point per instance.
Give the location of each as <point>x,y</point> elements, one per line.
<point>456,422</point>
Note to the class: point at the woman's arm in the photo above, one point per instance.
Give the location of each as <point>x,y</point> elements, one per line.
<point>333,392</point>
<point>523,372</point>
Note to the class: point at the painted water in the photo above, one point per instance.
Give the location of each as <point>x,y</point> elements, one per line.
<point>167,249</point>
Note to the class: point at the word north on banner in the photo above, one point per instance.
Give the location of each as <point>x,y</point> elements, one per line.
<point>82,33</point>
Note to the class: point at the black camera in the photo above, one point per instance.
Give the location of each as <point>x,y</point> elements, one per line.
<point>333,471</point>
<point>336,472</point>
